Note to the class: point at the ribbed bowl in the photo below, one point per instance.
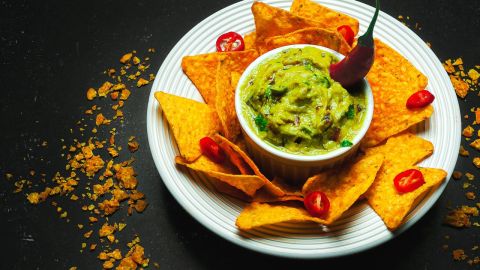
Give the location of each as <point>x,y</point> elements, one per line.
<point>359,228</point>
<point>292,167</point>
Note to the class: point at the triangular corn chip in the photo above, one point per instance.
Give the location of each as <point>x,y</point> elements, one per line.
<point>392,206</point>
<point>249,184</point>
<point>228,73</point>
<point>268,185</point>
<point>330,18</point>
<point>261,214</point>
<point>401,153</point>
<point>189,121</point>
<point>201,70</point>
<point>343,186</point>
<point>315,36</point>
<point>393,80</point>
<point>271,21</point>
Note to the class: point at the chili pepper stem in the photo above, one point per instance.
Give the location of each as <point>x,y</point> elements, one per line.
<point>367,38</point>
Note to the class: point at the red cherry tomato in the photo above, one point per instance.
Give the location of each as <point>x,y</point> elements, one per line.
<point>316,203</point>
<point>347,33</point>
<point>408,180</point>
<point>420,99</point>
<point>230,41</point>
<point>212,150</point>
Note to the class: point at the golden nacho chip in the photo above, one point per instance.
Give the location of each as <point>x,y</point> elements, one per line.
<point>343,186</point>
<point>401,153</point>
<point>261,214</point>
<point>393,80</point>
<point>263,195</point>
<point>201,70</point>
<point>268,185</point>
<point>249,184</point>
<point>236,159</point>
<point>228,73</point>
<point>271,21</point>
<point>249,40</point>
<point>392,206</point>
<point>189,121</point>
<point>315,36</point>
<point>330,18</point>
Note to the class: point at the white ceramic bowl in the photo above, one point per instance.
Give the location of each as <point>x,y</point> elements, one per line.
<point>291,167</point>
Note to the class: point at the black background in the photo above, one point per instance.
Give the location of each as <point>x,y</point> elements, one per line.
<point>52,51</point>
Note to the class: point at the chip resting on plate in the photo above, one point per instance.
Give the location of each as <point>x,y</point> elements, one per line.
<point>249,40</point>
<point>229,70</point>
<point>401,152</point>
<point>271,21</point>
<point>393,80</point>
<point>189,121</point>
<point>261,214</point>
<point>269,186</point>
<point>248,184</point>
<point>315,36</point>
<point>344,185</point>
<point>329,17</point>
<point>201,70</point>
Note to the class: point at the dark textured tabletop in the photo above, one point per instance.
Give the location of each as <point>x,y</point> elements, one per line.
<point>51,52</point>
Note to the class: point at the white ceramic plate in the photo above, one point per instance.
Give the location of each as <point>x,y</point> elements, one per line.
<point>360,228</point>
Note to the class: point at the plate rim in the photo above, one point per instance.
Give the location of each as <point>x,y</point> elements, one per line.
<point>245,242</point>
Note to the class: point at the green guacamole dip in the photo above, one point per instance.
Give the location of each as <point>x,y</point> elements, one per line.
<point>291,102</point>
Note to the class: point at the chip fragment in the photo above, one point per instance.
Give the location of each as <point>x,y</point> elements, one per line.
<point>393,80</point>
<point>189,121</point>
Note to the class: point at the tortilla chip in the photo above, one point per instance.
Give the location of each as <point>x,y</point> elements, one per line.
<point>329,17</point>
<point>262,214</point>
<point>287,188</point>
<point>189,121</point>
<point>228,73</point>
<point>264,196</point>
<point>249,40</point>
<point>392,206</point>
<point>271,21</point>
<point>393,80</point>
<point>343,186</point>
<point>201,70</point>
<point>401,153</point>
<point>249,184</point>
<point>236,159</point>
<point>315,36</point>
<point>227,189</point>
<point>268,185</point>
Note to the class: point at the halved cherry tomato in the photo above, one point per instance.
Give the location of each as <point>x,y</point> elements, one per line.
<point>408,180</point>
<point>212,150</point>
<point>316,203</point>
<point>420,99</point>
<point>347,33</point>
<point>230,41</point>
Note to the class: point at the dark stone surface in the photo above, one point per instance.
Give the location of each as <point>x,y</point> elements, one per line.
<point>52,51</point>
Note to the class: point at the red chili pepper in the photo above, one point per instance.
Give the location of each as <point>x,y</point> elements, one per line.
<point>408,180</point>
<point>420,99</point>
<point>212,150</point>
<point>230,41</point>
<point>347,33</point>
<point>316,203</point>
<point>358,62</point>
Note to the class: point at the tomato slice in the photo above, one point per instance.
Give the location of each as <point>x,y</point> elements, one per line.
<point>420,99</point>
<point>212,150</point>
<point>229,42</point>
<point>347,33</point>
<point>408,180</point>
<point>316,203</point>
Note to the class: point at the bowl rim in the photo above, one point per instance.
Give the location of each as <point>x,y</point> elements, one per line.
<point>290,156</point>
